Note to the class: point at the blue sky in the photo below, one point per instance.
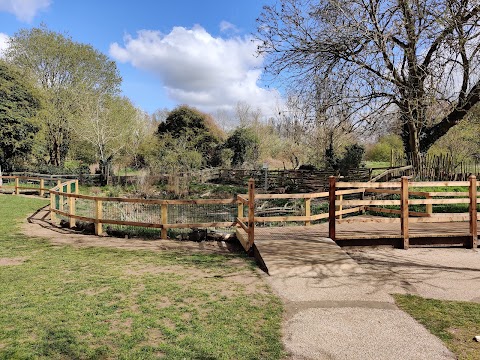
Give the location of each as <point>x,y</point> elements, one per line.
<point>168,52</point>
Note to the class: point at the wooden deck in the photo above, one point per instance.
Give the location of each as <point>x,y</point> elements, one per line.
<point>364,230</point>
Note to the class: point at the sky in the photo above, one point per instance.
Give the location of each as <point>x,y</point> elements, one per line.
<point>169,52</point>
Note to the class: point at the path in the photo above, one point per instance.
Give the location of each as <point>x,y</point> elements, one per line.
<point>335,308</point>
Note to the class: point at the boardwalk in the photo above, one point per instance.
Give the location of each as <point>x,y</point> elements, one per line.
<point>298,241</point>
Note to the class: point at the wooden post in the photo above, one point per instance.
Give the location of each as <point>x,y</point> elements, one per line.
<point>98,217</point>
<point>52,207</point>
<point>76,187</point>
<point>60,198</point>
<point>308,210</point>
<point>164,219</point>
<point>240,209</point>
<point>429,207</point>
<point>391,158</point>
<point>17,190</point>
<point>339,207</point>
<point>404,213</point>
<point>71,207</point>
<point>331,208</point>
<point>251,212</point>
<point>472,244</point>
<point>42,187</point>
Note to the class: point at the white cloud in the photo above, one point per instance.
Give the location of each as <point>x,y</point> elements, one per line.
<point>3,43</point>
<point>198,69</point>
<point>226,26</point>
<point>24,10</point>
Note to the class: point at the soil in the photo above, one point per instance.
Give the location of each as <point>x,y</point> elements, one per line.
<point>39,225</point>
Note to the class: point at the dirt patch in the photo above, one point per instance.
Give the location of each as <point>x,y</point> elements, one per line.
<point>38,225</point>
<point>12,261</point>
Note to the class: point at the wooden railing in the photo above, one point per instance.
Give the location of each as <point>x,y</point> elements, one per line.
<point>407,216</point>
<point>30,183</point>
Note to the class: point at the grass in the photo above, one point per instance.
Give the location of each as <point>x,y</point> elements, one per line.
<point>454,322</point>
<point>61,302</point>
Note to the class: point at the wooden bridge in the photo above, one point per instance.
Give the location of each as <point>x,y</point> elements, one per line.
<point>408,227</point>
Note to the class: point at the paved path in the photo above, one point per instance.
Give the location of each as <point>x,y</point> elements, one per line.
<point>333,308</point>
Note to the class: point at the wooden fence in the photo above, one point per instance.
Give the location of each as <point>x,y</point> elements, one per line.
<point>406,216</point>
<point>441,167</point>
<point>17,184</point>
<point>344,198</point>
<point>288,181</point>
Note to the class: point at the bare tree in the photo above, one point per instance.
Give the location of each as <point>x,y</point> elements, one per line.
<point>380,56</point>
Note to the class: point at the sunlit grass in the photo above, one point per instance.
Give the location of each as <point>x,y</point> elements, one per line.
<point>61,302</point>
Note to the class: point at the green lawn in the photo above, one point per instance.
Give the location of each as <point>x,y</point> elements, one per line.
<point>97,303</point>
<point>454,322</point>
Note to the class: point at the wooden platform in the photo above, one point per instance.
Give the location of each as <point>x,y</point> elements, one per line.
<point>359,232</point>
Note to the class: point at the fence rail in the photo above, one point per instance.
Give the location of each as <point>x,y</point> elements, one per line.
<point>242,212</point>
<point>406,216</point>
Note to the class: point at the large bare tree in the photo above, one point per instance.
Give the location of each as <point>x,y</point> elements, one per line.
<point>419,58</point>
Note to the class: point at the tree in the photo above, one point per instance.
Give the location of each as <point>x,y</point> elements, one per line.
<point>19,103</point>
<point>373,57</point>
<point>65,70</point>
<point>107,125</point>
<point>197,129</point>
<point>245,146</point>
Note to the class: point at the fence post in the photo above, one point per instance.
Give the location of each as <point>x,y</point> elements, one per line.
<point>331,208</point>
<point>164,235</point>
<point>339,207</point>
<point>404,213</point>
<point>42,187</point>
<point>251,212</point>
<point>429,207</point>
<point>308,210</point>
<point>52,207</point>
<point>17,190</point>
<point>71,207</point>
<point>98,217</point>
<point>472,243</point>
<point>240,209</point>
<point>60,197</point>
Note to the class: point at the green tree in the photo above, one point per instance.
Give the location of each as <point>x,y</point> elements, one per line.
<point>65,70</point>
<point>107,124</point>
<point>19,103</point>
<point>197,129</point>
<point>244,144</point>
<point>381,151</point>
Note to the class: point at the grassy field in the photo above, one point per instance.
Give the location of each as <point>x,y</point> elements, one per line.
<point>95,303</point>
<point>454,322</point>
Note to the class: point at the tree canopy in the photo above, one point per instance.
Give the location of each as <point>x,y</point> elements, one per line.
<point>65,70</point>
<point>19,103</point>
<point>366,59</point>
<point>197,129</point>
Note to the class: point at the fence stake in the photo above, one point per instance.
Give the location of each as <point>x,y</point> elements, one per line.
<point>472,244</point>
<point>404,213</point>
<point>17,190</point>
<point>339,207</point>
<point>308,210</point>
<point>42,187</point>
<point>251,212</point>
<point>52,207</point>
<point>240,209</point>
<point>331,208</point>
<point>429,207</point>
<point>71,207</point>
<point>98,217</point>
<point>164,219</point>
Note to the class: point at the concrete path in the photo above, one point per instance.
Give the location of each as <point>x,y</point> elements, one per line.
<point>334,310</point>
